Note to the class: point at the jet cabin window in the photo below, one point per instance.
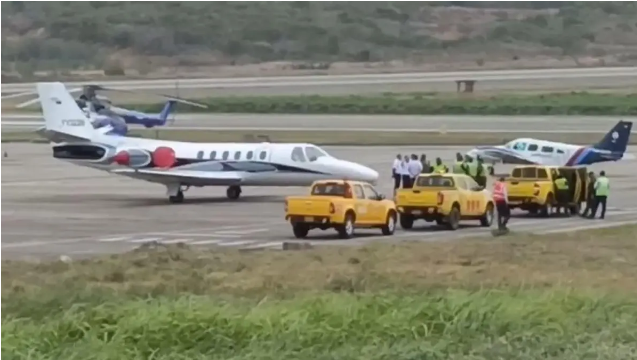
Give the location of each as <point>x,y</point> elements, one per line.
<point>237,155</point>
<point>532,147</point>
<point>547,149</point>
<point>249,155</point>
<point>313,153</point>
<point>200,155</point>
<point>213,155</point>
<point>263,155</point>
<point>225,155</point>
<point>297,154</point>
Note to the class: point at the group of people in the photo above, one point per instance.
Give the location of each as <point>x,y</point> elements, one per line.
<point>406,169</point>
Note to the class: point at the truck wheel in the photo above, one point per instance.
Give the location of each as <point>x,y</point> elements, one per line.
<point>390,224</point>
<point>300,230</point>
<point>406,221</point>
<point>346,231</point>
<point>453,219</point>
<point>487,219</point>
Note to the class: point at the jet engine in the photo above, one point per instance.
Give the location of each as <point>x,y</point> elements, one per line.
<point>162,157</point>
<point>89,153</point>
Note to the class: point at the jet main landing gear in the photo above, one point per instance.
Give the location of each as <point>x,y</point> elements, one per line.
<point>233,192</point>
<point>176,193</point>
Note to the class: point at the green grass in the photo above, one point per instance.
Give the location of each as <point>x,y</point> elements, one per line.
<point>564,296</point>
<point>423,104</point>
<point>341,137</point>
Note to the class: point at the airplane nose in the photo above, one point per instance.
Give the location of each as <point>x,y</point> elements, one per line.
<point>362,173</point>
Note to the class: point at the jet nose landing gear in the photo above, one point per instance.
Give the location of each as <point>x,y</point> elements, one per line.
<point>233,192</point>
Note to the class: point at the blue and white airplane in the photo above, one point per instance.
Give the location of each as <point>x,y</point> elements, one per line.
<point>527,151</point>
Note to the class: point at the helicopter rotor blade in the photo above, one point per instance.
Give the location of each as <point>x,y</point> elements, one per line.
<point>12,96</point>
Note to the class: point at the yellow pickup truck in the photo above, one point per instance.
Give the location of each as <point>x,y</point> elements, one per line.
<point>342,205</point>
<point>531,188</point>
<point>446,199</point>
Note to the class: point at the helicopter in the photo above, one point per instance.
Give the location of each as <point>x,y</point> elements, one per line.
<point>100,110</point>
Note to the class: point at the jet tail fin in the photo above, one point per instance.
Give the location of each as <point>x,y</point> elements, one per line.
<point>165,112</point>
<point>616,140</point>
<point>62,116</point>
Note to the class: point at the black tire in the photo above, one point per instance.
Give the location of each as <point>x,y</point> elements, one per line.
<point>233,192</point>
<point>487,219</point>
<point>453,219</point>
<point>346,231</point>
<point>390,224</point>
<point>300,230</point>
<point>177,199</point>
<point>406,221</point>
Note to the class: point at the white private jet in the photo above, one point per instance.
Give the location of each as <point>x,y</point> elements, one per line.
<point>541,152</point>
<point>180,165</point>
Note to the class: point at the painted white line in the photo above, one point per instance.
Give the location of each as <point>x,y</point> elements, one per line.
<point>143,240</point>
<point>600,225</point>
<point>235,243</point>
<point>40,243</point>
<point>241,232</point>
<point>114,239</point>
<point>195,235</point>
<point>271,244</point>
<point>205,242</point>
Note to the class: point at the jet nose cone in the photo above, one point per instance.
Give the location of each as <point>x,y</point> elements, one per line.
<point>362,173</point>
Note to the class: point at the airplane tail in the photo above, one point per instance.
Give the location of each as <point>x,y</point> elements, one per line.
<point>64,120</point>
<point>616,140</point>
<point>165,112</point>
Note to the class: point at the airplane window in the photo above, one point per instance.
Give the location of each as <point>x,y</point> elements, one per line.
<point>237,155</point>
<point>314,153</point>
<point>262,155</point>
<point>520,146</point>
<point>249,155</point>
<point>297,154</point>
<point>560,151</point>
<point>542,174</point>
<point>225,155</point>
<point>200,155</point>
<point>532,147</point>
<point>213,155</point>
<point>547,149</point>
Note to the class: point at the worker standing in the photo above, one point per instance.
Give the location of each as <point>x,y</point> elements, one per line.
<point>440,168</point>
<point>501,198</point>
<point>404,173</point>
<point>481,177</point>
<point>590,195</point>
<point>426,169</point>
<point>602,188</point>
<point>458,165</point>
<point>414,169</point>
<point>395,172</point>
<point>471,168</point>
<point>561,187</point>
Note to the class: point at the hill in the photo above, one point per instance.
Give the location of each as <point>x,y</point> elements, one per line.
<point>144,36</point>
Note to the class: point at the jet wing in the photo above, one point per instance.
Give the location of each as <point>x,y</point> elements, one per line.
<point>506,156</point>
<point>184,176</point>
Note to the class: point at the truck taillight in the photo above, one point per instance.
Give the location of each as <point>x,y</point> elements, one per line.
<point>286,206</point>
<point>332,210</point>
<point>441,198</point>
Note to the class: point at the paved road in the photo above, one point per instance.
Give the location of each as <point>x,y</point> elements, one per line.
<point>579,78</point>
<point>508,124</point>
<point>51,208</point>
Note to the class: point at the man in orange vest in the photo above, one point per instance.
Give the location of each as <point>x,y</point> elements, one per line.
<point>501,199</point>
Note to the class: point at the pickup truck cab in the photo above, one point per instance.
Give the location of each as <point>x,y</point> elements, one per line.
<point>446,199</point>
<point>342,205</point>
<point>531,188</point>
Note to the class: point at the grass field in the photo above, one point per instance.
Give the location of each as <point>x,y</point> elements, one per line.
<point>566,296</point>
<point>341,137</point>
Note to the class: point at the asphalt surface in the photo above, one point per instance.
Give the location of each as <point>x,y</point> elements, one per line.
<point>50,208</point>
<point>579,78</point>
<point>255,122</point>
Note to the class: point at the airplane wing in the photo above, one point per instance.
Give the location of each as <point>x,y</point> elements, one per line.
<point>506,156</point>
<point>186,177</point>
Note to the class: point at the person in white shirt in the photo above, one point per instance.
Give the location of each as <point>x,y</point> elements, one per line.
<point>395,172</point>
<point>404,172</point>
<point>413,168</point>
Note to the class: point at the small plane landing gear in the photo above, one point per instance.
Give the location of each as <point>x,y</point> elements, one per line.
<point>176,193</point>
<point>233,192</point>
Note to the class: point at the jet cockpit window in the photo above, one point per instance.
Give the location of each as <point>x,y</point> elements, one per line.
<point>313,153</point>
<point>521,146</point>
<point>297,154</point>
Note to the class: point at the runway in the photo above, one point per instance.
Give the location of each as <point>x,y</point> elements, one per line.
<point>413,123</point>
<point>538,79</point>
<point>51,208</point>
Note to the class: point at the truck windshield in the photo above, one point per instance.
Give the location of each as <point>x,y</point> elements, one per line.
<point>435,181</point>
<point>329,190</point>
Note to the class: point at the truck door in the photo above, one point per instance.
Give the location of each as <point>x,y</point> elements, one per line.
<point>582,174</point>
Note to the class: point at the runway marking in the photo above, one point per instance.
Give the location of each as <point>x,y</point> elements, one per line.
<point>241,232</point>
<point>236,243</point>
<point>196,235</point>
<point>599,225</point>
<point>143,240</point>
<point>205,242</point>
<point>175,241</point>
<point>114,239</point>
<point>270,244</point>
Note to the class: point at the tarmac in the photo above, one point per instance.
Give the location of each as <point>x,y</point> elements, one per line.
<point>51,208</point>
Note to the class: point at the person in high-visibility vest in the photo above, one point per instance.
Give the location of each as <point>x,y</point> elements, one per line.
<point>481,176</point>
<point>501,198</point>
<point>457,166</point>
<point>471,167</point>
<point>602,188</point>
<point>561,192</point>
<point>440,168</point>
